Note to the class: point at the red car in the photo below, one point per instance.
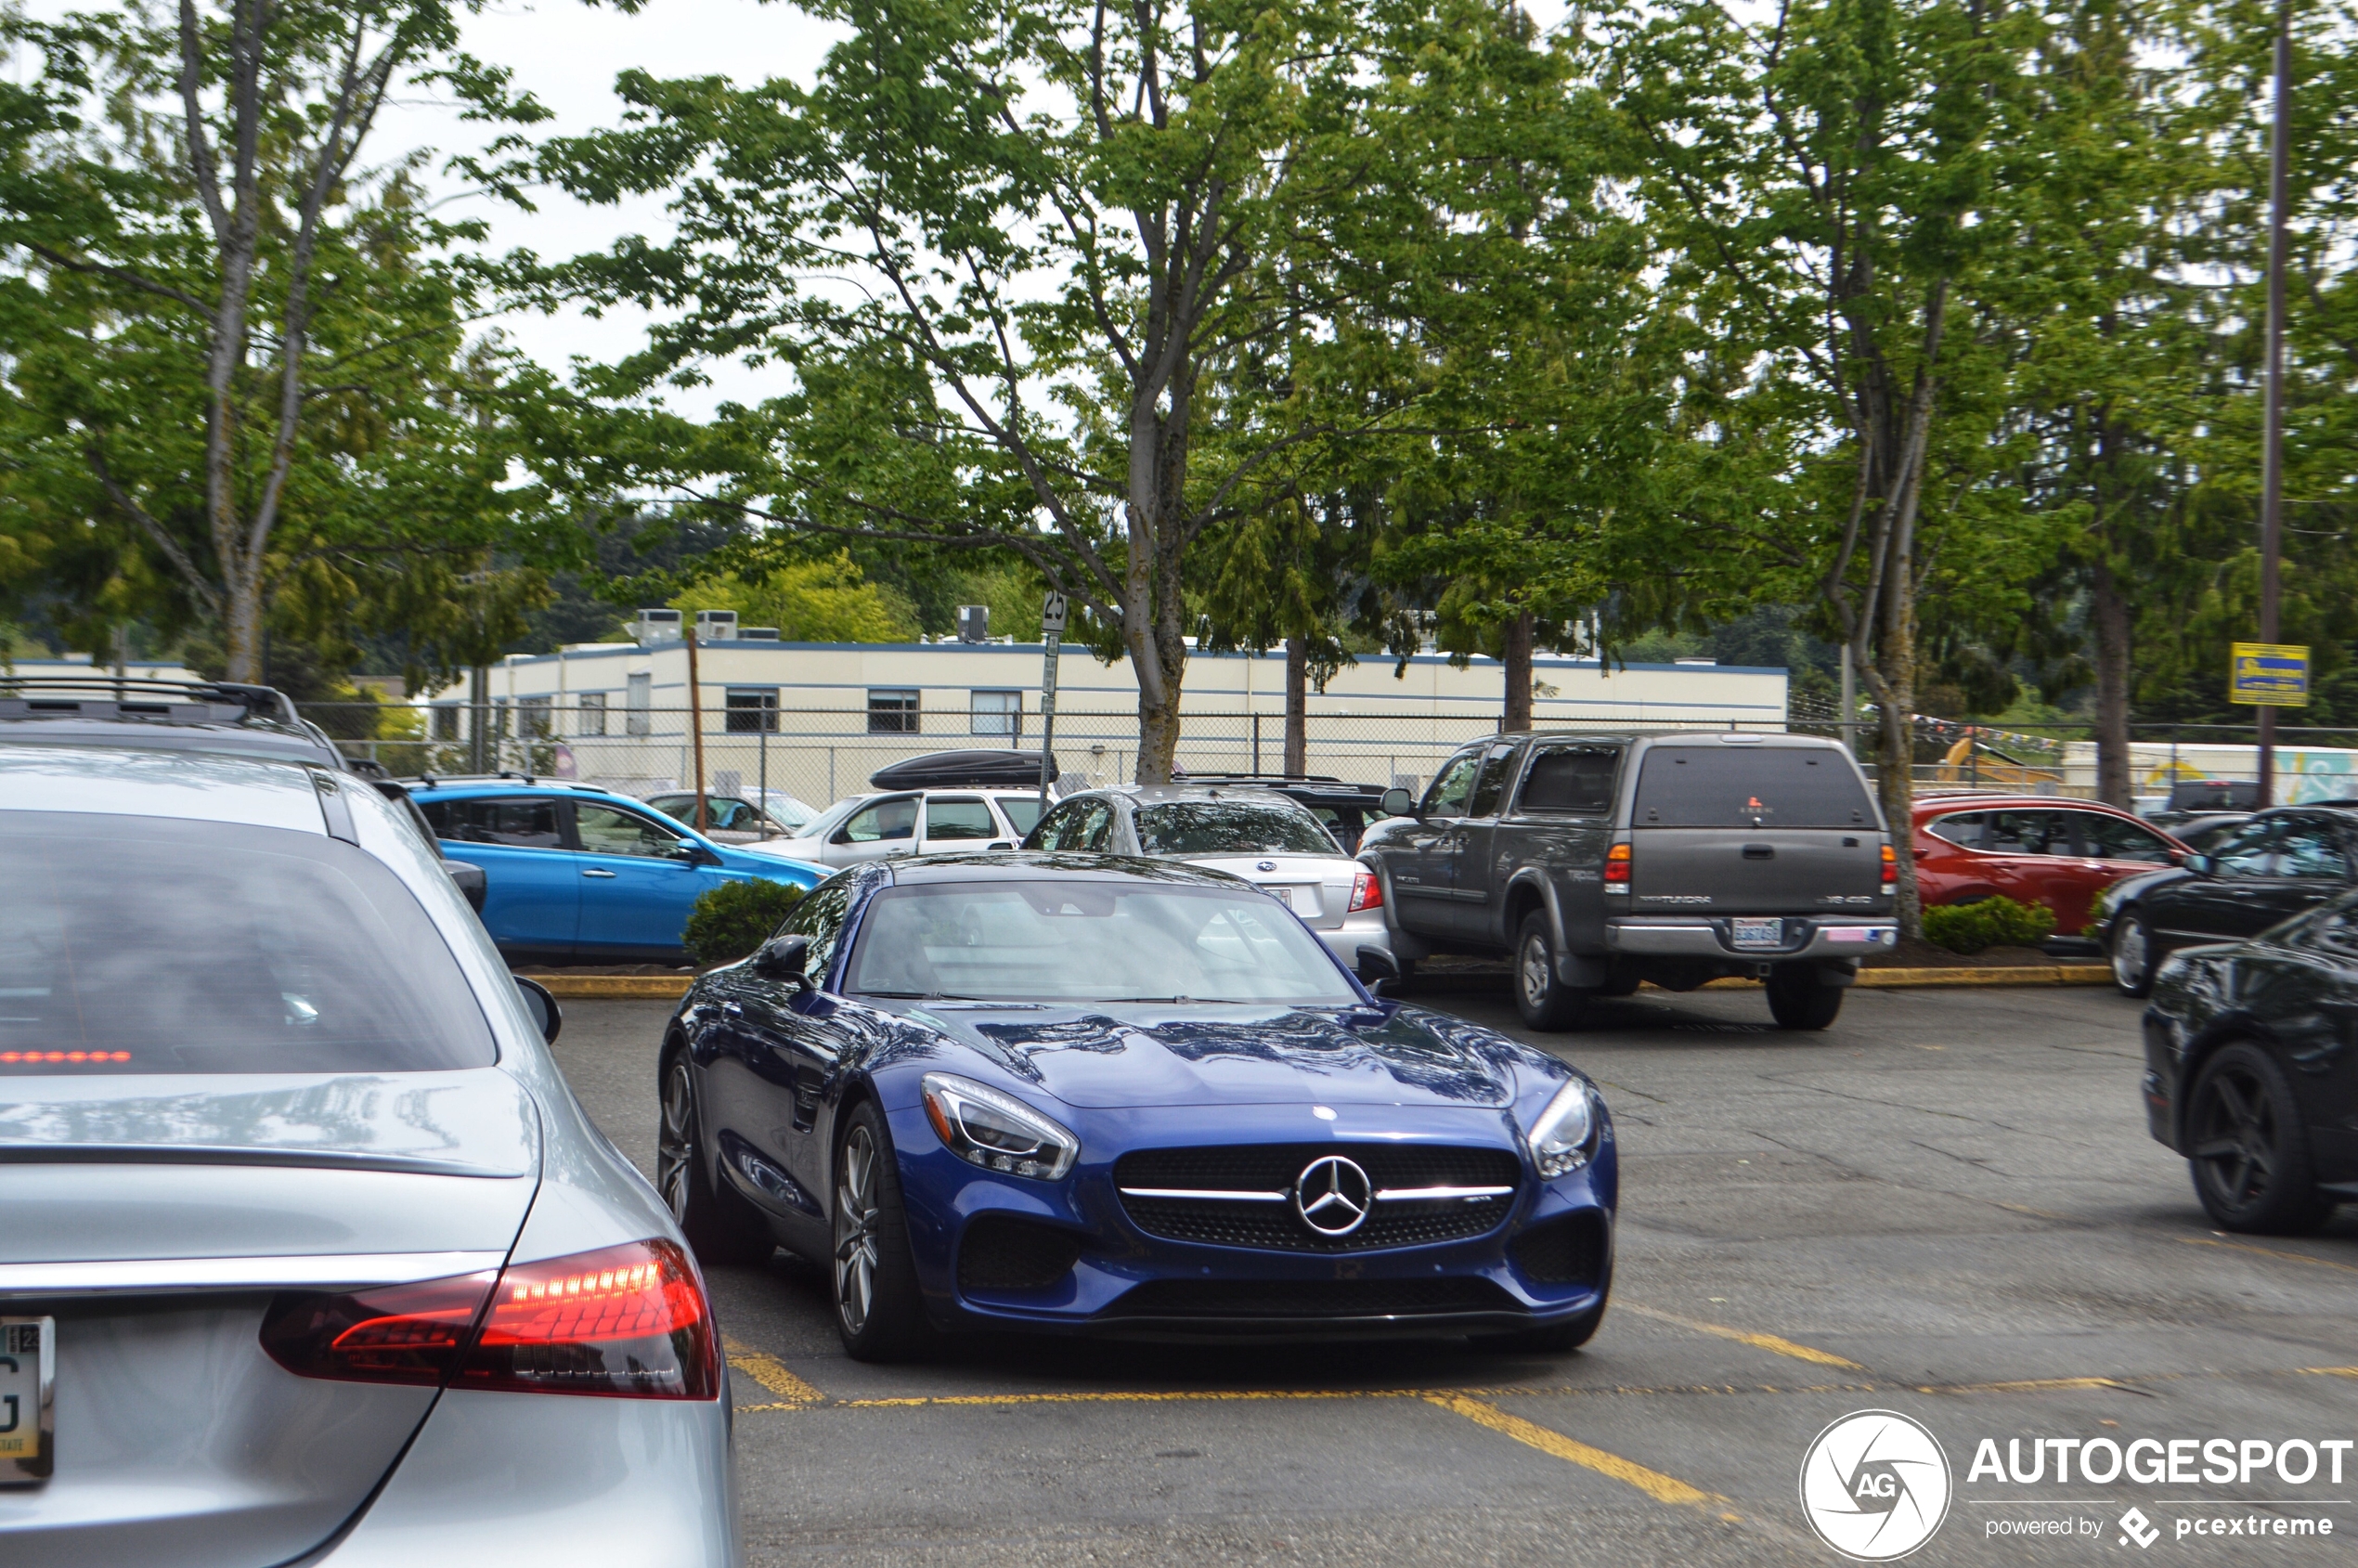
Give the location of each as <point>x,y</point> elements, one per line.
<point>2033,848</point>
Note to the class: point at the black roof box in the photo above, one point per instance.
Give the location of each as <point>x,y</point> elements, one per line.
<point>964,770</point>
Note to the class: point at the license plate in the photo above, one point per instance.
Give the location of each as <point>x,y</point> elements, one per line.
<point>1759,933</point>
<point>28,1368</point>
<point>1301,901</point>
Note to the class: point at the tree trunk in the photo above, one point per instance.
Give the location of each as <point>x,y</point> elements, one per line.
<point>1518,662</point>
<point>241,628</point>
<point>1297,761</point>
<point>2110,612</point>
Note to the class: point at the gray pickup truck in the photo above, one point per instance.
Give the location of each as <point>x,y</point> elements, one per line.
<point>1601,860</point>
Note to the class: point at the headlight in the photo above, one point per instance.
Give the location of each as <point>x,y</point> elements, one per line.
<point>1565,1135</point>
<point>997,1132</point>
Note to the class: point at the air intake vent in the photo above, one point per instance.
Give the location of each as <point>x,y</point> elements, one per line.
<point>1566,1252</point>
<point>1003,1256</point>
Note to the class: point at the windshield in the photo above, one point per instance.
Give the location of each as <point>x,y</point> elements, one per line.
<point>1090,942</point>
<point>1751,787</point>
<point>1231,828</point>
<point>827,820</point>
<point>140,945</point>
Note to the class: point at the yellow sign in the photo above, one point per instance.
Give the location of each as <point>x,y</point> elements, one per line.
<point>2268,674</point>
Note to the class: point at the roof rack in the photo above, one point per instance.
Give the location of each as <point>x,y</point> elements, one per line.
<point>137,698</point>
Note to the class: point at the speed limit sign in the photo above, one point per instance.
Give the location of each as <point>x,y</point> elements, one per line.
<point>1052,613</point>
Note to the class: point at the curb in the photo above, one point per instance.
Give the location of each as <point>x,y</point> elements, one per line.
<point>666,988</point>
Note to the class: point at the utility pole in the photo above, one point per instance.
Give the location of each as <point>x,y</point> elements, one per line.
<point>695,724</point>
<point>2272,457</point>
<point>1052,628</point>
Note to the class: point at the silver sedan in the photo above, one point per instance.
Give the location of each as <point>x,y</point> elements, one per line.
<point>307,1251</point>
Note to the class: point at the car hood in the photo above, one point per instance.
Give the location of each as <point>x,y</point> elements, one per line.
<point>2138,884</point>
<point>768,858</point>
<point>1108,1056</point>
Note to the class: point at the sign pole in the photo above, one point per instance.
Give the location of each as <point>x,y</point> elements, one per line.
<point>2272,457</point>
<point>1052,628</point>
<point>696,728</point>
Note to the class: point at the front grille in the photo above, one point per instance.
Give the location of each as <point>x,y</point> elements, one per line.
<point>1000,1256</point>
<point>1566,1252</point>
<point>1217,1299</point>
<point>1276,1167</point>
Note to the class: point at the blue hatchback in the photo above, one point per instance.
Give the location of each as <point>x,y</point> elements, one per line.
<point>578,874</point>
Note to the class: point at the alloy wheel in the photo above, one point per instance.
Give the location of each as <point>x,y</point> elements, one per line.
<point>2129,956</point>
<point>857,1252</point>
<point>1533,971</point>
<point>676,1147</point>
<point>2235,1137</point>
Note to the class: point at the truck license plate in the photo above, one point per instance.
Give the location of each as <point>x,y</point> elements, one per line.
<point>27,1363</point>
<point>1759,933</point>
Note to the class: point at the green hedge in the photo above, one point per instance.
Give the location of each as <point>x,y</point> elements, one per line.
<point>732,919</point>
<point>1997,922</point>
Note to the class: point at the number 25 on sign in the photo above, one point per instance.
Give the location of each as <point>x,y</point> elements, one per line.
<point>2268,674</point>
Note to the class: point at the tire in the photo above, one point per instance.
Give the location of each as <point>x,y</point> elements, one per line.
<point>872,1279</point>
<point>2132,956</point>
<point>722,1224</point>
<point>1797,1001</point>
<point>2250,1160</point>
<point>1541,997</point>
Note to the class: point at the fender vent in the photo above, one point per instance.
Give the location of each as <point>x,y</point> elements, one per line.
<point>1566,1252</point>
<point>1001,1255</point>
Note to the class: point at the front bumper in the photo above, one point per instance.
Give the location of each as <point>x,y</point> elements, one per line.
<point>944,1197</point>
<point>1713,936</point>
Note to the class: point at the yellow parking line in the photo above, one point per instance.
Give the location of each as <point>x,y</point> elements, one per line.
<point>770,1373</point>
<point>1661,1488</point>
<point>2268,1253</point>
<point>1745,1337</point>
<point>2028,1385</point>
<point>2331,1371</point>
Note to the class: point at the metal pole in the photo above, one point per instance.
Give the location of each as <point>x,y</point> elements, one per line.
<point>769,721</point>
<point>696,730</point>
<point>1256,745</point>
<point>2272,457</point>
<point>1849,704</point>
<point>1048,715</point>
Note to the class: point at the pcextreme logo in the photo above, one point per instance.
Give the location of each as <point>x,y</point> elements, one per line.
<point>1875,1486</point>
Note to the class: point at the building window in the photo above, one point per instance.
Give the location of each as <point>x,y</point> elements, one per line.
<point>891,712</point>
<point>753,710</point>
<point>532,715</point>
<point>593,713</point>
<point>998,713</point>
<point>635,719</point>
<point>445,722</point>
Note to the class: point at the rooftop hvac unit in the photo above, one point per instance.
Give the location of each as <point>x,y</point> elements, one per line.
<point>655,626</point>
<point>757,634</point>
<point>974,623</point>
<point>716,626</point>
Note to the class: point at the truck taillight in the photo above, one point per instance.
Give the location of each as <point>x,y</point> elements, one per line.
<point>628,1321</point>
<point>1366,892</point>
<point>1617,867</point>
<point>1890,868</point>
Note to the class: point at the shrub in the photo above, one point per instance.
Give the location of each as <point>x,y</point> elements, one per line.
<point>1996,922</point>
<point>736,917</point>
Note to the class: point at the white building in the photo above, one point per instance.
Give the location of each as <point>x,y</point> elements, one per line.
<point>815,719</point>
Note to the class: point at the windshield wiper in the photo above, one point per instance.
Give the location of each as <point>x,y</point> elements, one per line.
<point>921,996</point>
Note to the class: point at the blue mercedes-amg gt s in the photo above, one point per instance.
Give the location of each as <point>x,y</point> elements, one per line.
<point>1077,1094</point>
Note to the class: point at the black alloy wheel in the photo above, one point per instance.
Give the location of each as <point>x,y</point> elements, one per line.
<point>2248,1149</point>
<point>878,1311</point>
<point>2133,955</point>
<point>1541,997</point>
<point>1797,1000</point>
<point>722,1224</point>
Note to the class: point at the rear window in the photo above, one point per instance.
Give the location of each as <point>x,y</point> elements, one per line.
<point>143,945</point>
<point>1750,786</point>
<point>1231,828</point>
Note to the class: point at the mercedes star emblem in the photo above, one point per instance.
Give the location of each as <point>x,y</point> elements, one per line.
<point>1333,1196</point>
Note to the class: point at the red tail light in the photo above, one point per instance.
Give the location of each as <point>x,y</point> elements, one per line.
<point>1890,867</point>
<point>1617,865</point>
<point>1366,892</point>
<point>629,1321</point>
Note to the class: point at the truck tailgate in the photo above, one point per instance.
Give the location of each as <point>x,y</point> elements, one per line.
<point>1754,871</point>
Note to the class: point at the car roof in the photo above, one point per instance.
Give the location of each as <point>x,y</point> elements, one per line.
<point>1035,865</point>
<point>117,779</point>
<point>1150,795</point>
<point>429,785</point>
<point>1982,801</point>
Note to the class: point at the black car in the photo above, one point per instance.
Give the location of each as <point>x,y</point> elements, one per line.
<point>2251,1069</point>
<point>2278,864</point>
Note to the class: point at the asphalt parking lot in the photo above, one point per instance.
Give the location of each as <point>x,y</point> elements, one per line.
<point>1946,1206</point>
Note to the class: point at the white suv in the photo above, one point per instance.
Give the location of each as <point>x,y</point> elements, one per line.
<point>909,822</point>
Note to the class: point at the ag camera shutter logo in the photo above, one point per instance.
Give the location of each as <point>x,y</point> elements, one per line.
<point>1875,1486</point>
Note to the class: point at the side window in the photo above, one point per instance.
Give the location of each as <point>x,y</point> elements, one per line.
<point>1023,811</point>
<point>959,816</point>
<point>1490,785</point>
<point>1452,786</point>
<point>819,917</point>
<point>2110,838</point>
<point>2311,849</point>
<point>2027,833</point>
<point>1097,829</point>
<point>1060,829</point>
<point>605,831</point>
<point>1962,828</point>
<point>520,822</point>
<point>893,820</point>
<point>1577,780</point>
<point>2248,853</point>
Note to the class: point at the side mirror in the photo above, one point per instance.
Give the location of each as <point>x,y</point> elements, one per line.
<point>541,1005</point>
<point>1398,802</point>
<point>2177,857</point>
<point>2202,865</point>
<point>471,880</point>
<point>784,958</point>
<point>687,851</point>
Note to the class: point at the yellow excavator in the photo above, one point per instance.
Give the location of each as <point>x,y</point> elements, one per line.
<point>1960,765</point>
